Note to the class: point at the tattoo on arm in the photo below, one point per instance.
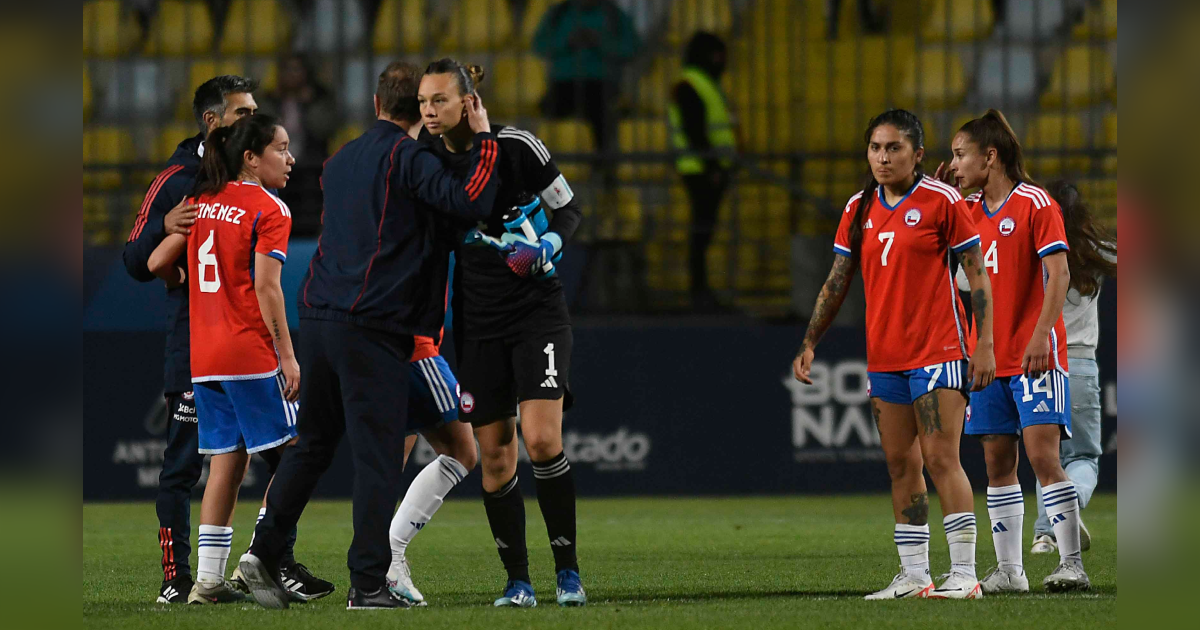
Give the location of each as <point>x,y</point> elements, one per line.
<point>275,328</point>
<point>972,260</point>
<point>979,307</point>
<point>928,414</point>
<point>918,509</point>
<point>833,293</point>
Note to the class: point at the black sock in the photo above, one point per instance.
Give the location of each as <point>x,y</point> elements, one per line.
<point>556,497</point>
<point>506,514</point>
<point>273,457</point>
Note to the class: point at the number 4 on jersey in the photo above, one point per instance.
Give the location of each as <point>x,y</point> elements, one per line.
<point>990,259</point>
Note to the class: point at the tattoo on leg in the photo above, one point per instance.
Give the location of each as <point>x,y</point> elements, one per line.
<point>928,413</point>
<point>918,509</point>
<point>875,413</point>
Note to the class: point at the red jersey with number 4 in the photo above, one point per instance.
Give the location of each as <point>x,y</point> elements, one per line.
<point>230,341</point>
<point>1015,237</point>
<point>914,315</point>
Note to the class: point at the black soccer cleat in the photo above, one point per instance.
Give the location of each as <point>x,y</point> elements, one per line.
<point>175,591</point>
<point>263,581</point>
<point>380,599</point>
<point>302,585</point>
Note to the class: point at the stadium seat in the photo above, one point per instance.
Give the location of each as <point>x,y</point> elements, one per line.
<point>1109,142</point>
<point>340,25</point>
<point>688,16</point>
<point>615,215</point>
<point>1082,76</point>
<point>1007,72</point>
<point>644,135</point>
<point>827,129</point>
<point>400,26</point>
<point>1050,133</point>
<point>478,25</point>
<point>1029,20</point>
<point>169,138</point>
<point>1101,197</point>
<point>106,146</point>
<point>108,29</point>
<point>654,87</point>
<point>958,20</point>
<point>567,137</point>
<point>864,71</point>
<point>255,27</point>
<point>87,94</point>
<point>534,11</point>
<point>835,180</point>
<point>515,85</point>
<point>180,27</point>
<point>935,81</point>
<point>1098,22</point>
<point>96,226</point>
<point>344,135</point>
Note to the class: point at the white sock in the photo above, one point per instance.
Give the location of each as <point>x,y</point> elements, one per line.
<point>912,542</point>
<point>423,498</point>
<point>960,535</point>
<point>213,553</point>
<point>1006,508</point>
<point>1062,508</point>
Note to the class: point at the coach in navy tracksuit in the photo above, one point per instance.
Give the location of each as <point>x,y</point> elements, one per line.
<point>378,278</point>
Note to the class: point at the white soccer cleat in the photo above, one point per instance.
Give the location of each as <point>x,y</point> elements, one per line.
<point>1004,581</point>
<point>1069,576</point>
<point>904,586</point>
<point>958,586</point>
<point>399,582</point>
<point>1044,544</point>
<point>1085,537</point>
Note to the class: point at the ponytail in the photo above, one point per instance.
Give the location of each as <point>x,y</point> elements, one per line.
<point>1092,249</point>
<point>910,127</point>
<point>215,171</point>
<point>993,131</point>
<point>225,151</point>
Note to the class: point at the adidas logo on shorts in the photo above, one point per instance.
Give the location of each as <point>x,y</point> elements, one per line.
<point>1041,407</point>
<point>550,383</point>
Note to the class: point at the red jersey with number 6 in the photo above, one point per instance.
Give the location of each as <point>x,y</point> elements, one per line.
<point>914,315</point>
<point>1015,237</point>
<point>230,341</point>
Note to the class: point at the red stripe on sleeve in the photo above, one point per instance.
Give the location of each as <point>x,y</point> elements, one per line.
<point>483,149</point>
<point>484,170</point>
<point>155,187</point>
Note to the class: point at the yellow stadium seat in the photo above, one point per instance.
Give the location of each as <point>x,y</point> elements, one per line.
<point>1050,133</point>
<point>400,28</point>
<point>865,71</point>
<point>688,16</point>
<point>106,146</point>
<point>344,135</point>
<point>169,138</point>
<point>615,216</point>
<point>1083,76</point>
<point>87,94</point>
<point>181,27</point>
<point>1101,197</point>
<point>1098,23</point>
<point>535,10</point>
<point>256,27</point>
<point>569,137</point>
<point>1109,142</point>
<point>655,86</point>
<point>478,25</point>
<point>645,135</point>
<point>958,20</point>
<point>96,226</point>
<point>833,129</point>
<point>515,85</point>
<point>935,81</point>
<point>108,29</point>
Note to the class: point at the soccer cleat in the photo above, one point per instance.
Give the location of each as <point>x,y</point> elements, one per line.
<point>399,582</point>
<point>379,599</point>
<point>1004,581</point>
<point>175,591</point>
<point>1044,544</point>
<point>238,582</point>
<point>263,582</point>
<point>1085,537</point>
<point>223,593</point>
<point>958,586</point>
<point>904,586</point>
<point>1069,576</point>
<point>570,589</point>
<point>302,585</point>
<point>517,595</point>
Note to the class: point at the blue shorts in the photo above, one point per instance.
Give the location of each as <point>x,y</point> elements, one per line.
<point>1012,403</point>
<point>250,414</point>
<point>904,388</point>
<point>432,395</point>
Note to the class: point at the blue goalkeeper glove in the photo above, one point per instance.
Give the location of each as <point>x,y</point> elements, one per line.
<point>533,258</point>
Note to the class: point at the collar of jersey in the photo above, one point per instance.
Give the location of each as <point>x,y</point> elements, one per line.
<point>1002,203</point>
<point>883,197</point>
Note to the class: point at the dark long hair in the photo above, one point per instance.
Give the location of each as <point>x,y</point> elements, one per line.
<point>910,127</point>
<point>1093,249</point>
<point>993,131</point>
<point>225,150</point>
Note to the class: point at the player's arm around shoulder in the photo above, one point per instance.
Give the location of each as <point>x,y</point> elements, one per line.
<point>471,196</point>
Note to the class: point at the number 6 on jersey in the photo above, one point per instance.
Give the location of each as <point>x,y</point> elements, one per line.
<point>208,259</point>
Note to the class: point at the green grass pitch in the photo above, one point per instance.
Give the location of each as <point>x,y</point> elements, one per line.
<point>757,563</point>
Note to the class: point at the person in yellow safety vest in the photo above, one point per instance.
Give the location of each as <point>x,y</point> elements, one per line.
<point>705,146</point>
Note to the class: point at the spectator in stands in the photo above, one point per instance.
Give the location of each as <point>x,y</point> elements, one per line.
<point>873,20</point>
<point>586,42</point>
<point>309,112</point>
<point>704,139</point>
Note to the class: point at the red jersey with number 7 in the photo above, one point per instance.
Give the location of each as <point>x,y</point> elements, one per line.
<point>914,315</point>
<point>1027,227</point>
<point>230,341</point>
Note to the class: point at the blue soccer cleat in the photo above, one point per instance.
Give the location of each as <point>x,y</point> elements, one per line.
<point>517,595</point>
<point>570,589</point>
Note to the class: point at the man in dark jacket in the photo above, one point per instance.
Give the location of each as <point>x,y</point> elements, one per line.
<point>378,278</point>
<point>218,102</point>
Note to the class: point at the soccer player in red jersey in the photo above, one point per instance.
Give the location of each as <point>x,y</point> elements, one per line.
<point>904,231</point>
<point>243,365</point>
<point>1025,256</point>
